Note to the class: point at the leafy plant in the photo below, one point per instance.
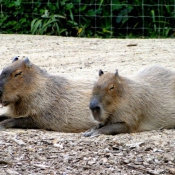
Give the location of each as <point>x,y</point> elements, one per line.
<point>89,18</point>
<point>13,19</point>
<point>151,19</point>
<point>57,19</point>
<point>47,23</point>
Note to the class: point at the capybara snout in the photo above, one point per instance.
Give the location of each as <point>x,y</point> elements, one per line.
<point>94,104</point>
<point>95,109</point>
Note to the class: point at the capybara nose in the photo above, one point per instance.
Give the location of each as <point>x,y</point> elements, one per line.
<point>94,104</point>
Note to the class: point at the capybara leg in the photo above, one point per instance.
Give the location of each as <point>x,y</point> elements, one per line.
<point>25,122</point>
<point>108,130</point>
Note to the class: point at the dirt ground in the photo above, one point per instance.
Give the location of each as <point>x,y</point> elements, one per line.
<point>39,152</point>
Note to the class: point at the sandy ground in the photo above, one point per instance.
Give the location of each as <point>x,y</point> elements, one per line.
<point>44,152</point>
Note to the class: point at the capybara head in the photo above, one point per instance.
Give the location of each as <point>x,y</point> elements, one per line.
<point>15,79</point>
<point>106,94</point>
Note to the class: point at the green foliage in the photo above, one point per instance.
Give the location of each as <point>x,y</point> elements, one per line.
<point>158,20</point>
<point>89,18</point>
<point>14,18</point>
<point>57,19</point>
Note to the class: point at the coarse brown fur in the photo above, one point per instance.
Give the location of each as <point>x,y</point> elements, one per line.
<point>142,102</point>
<point>37,99</point>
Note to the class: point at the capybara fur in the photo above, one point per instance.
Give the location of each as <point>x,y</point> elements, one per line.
<point>37,99</point>
<point>142,102</point>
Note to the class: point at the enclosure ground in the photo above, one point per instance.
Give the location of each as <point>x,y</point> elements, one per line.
<point>39,152</point>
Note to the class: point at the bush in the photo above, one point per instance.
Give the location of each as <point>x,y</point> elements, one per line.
<point>89,18</point>
<point>15,17</point>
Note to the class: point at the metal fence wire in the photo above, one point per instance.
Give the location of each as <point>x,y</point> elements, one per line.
<point>89,18</point>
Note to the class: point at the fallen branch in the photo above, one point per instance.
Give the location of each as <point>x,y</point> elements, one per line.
<point>143,169</point>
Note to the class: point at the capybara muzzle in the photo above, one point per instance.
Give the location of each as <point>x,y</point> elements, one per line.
<point>95,108</point>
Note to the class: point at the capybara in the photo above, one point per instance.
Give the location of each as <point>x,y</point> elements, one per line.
<point>142,102</point>
<point>37,99</point>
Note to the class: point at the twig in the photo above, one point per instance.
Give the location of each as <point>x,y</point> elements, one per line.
<point>132,44</point>
<point>142,169</point>
<point>5,162</point>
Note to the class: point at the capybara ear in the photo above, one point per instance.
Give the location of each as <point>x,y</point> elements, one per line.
<point>15,59</point>
<point>116,73</point>
<point>100,72</point>
<point>27,62</point>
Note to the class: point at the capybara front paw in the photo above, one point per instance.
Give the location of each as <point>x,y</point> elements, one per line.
<point>92,132</point>
<point>87,134</point>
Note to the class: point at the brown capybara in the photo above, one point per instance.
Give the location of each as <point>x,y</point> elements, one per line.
<point>36,99</point>
<point>142,102</point>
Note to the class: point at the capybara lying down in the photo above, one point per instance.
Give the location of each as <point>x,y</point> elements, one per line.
<point>142,102</point>
<point>36,99</point>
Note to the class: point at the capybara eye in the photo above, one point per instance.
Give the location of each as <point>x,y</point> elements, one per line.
<point>111,87</point>
<point>19,73</point>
